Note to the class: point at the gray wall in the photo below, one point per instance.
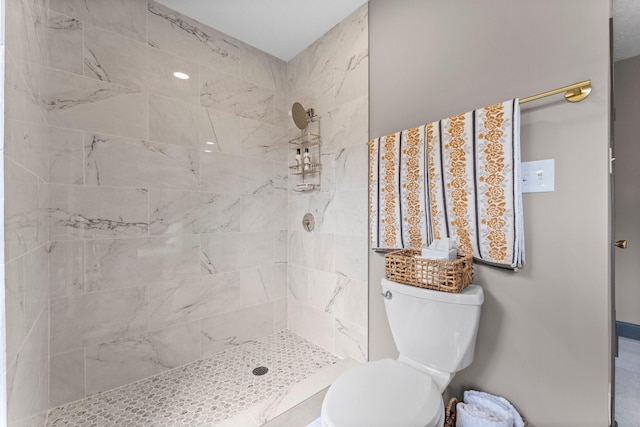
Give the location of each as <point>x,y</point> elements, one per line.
<point>627,198</point>
<point>543,339</point>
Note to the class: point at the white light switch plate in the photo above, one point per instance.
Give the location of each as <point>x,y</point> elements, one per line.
<point>538,176</point>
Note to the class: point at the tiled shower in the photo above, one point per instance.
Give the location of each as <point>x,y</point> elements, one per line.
<point>150,221</point>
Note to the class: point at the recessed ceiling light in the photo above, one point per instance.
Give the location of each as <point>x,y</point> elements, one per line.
<point>181,75</point>
<point>208,151</point>
<point>211,143</point>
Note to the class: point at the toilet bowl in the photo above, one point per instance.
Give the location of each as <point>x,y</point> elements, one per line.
<point>435,333</point>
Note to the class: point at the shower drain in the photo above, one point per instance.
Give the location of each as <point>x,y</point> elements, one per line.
<point>260,370</point>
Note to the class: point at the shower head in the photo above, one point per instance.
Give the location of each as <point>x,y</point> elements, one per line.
<point>301,117</point>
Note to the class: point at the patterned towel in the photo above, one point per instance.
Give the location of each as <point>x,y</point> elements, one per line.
<point>458,178</point>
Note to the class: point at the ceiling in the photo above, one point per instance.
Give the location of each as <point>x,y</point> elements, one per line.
<point>626,29</point>
<point>282,28</point>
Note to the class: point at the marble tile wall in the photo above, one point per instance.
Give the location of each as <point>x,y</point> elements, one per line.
<point>146,216</point>
<point>150,221</point>
<point>26,198</point>
<point>327,269</point>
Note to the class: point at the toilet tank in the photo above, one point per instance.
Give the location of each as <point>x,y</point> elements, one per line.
<point>434,329</point>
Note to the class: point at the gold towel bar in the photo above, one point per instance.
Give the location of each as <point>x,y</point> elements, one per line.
<point>572,93</point>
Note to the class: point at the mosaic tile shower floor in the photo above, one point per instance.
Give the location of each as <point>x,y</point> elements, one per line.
<point>202,393</point>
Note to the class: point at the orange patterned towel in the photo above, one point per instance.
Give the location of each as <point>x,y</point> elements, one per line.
<point>458,177</point>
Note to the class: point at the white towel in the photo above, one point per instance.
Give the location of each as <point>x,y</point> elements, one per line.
<point>491,402</point>
<point>470,415</point>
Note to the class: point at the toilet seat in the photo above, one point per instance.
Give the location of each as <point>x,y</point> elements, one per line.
<point>386,393</point>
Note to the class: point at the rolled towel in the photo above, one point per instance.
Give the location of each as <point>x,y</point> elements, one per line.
<point>470,415</point>
<point>492,402</point>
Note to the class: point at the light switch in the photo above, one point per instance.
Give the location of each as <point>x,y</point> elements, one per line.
<point>538,176</point>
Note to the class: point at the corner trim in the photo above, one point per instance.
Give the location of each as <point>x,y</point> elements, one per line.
<point>628,330</point>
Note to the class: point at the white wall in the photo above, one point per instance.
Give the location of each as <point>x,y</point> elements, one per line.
<point>543,339</point>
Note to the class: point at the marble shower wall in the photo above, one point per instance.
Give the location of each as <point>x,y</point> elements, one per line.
<point>26,195</point>
<point>162,247</point>
<point>327,269</point>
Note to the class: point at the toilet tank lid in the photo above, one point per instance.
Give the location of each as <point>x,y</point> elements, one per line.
<point>471,295</point>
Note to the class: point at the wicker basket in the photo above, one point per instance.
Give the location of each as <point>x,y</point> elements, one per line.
<point>450,414</point>
<point>403,267</point>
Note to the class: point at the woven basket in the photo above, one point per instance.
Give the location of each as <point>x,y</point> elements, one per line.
<point>403,267</point>
<point>450,414</point>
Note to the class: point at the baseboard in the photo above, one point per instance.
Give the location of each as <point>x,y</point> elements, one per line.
<point>628,330</point>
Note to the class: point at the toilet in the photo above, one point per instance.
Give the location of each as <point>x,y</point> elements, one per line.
<point>435,333</point>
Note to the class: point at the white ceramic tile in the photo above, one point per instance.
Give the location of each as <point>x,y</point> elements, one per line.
<point>36,284</point>
<point>114,263</point>
<point>186,300</point>
<point>225,331</point>
<point>112,161</point>
<point>225,173</point>
<point>224,92</point>
<point>352,82</point>
<point>314,250</point>
<point>176,122</point>
<point>14,307</point>
<point>28,145</point>
<point>176,33</point>
<point>298,283</point>
<point>315,326</point>
<point>126,17</point>
<point>25,32</point>
<point>350,300</point>
<point>351,340</point>
<point>77,102</point>
<point>281,178</point>
<point>67,378</point>
<point>346,125</point>
<point>130,359</point>
<point>261,213</point>
<point>90,212</point>
<point>352,167</point>
<point>112,58</point>
<point>237,251</point>
<point>66,268</point>
<point>23,83</point>
<point>26,373</point>
<point>185,212</point>
<point>352,254</point>
<point>64,43</point>
<point>282,242</point>
<point>220,253</point>
<point>66,156</point>
<point>347,213</point>
<point>280,315</point>
<point>260,285</point>
<point>261,68</point>
<point>82,320</point>
<point>25,200</point>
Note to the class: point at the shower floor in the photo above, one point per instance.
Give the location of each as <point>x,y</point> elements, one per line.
<point>202,393</point>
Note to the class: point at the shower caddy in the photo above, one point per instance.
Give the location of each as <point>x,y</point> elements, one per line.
<point>307,140</point>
